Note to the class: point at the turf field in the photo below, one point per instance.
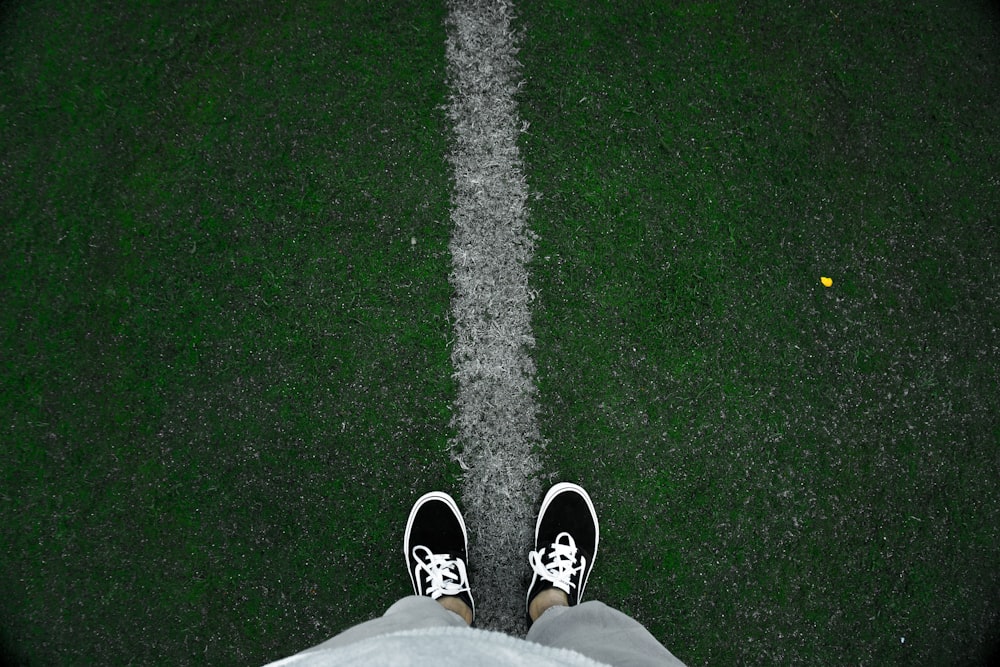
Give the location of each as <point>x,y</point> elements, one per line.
<point>225,320</point>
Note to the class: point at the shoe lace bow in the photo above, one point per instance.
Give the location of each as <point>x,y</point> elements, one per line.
<point>441,574</point>
<point>561,566</point>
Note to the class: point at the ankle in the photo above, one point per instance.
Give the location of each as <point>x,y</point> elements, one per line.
<point>457,605</point>
<point>550,597</point>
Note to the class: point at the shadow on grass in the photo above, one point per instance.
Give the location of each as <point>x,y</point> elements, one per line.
<point>5,10</point>
<point>10,656</point>
<point>992,12</point>
<point>991,653</point>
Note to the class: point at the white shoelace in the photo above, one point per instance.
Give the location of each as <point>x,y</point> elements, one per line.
<point>561,557</point>
<point>439,573</point>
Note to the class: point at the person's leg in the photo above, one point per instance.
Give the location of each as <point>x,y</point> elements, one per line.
<point>435,545</point>
<point>602,633</point>
<point>566,537</point>
<point>410,613</point>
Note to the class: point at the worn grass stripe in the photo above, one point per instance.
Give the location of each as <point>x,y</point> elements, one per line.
<point>496,412</point>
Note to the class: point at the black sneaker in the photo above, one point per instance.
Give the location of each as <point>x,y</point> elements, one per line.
<point>436,548</point>
<point>566,536</point>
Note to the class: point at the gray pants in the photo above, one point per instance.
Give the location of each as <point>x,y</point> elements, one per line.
<point>591,628</point>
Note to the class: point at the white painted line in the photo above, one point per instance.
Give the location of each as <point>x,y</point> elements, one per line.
<point>497,434</point>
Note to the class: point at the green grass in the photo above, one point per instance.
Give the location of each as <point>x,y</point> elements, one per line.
<point>787,473</point>
<point>217,333</point>
<point>224,367</point>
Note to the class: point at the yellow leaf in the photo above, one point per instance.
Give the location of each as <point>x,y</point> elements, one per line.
<point>827,282</point>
